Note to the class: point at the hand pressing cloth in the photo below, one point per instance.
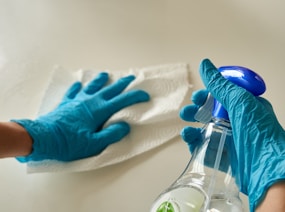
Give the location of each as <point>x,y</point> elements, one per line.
<point>152,123</point>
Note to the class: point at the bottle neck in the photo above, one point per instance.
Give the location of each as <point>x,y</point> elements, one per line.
<point>221,122</point>
<point>211,158</point>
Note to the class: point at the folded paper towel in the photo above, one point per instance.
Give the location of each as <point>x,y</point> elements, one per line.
<point>152,124</point>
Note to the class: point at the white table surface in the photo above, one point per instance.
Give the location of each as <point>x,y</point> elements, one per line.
<point>37,35</point>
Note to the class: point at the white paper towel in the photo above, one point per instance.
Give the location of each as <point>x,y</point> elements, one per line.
<point>152,124</point>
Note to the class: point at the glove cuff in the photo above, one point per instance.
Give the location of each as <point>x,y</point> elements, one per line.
<point>41,135</point>
<point>272,173</point>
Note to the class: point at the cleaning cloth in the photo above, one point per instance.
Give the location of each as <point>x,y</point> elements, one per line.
<point>152,123</point>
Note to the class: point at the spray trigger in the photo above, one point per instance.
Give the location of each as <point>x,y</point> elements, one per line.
<point>204,114</point>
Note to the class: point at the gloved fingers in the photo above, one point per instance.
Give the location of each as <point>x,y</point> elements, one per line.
<point>97,83</point>
<point>226,92</point>
<point>116,88</point>
<point>109,135</point>
<point>199,97</point>
<point>266,104</point>
<point>192,136</point>
<point>127,99</point>
<point>269,108</point>
<point>72,91</point>
<point>188,112</point>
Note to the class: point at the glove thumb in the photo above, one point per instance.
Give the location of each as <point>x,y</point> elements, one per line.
<point>226,92</point>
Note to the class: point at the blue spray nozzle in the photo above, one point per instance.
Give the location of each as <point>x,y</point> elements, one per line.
<point>243,77</point>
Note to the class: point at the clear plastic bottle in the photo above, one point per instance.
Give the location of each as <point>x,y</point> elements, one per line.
<point>201,188</point>
<point>208,183</point>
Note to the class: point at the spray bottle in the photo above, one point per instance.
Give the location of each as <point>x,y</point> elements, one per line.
<point>209,181</point>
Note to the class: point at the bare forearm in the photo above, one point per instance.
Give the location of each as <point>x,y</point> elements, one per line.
<point>274,199</point>
<point>14,140</point>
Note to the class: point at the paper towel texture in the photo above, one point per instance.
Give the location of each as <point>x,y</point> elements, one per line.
<point>152,124</point>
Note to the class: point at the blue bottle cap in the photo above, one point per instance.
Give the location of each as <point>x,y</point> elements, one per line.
<point>242,77</point>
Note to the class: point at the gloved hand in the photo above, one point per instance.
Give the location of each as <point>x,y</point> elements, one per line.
<point>74,130</point>
<point>259,139</point>
<point>192,135</point>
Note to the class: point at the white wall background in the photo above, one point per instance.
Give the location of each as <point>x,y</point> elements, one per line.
<point>37,35</point>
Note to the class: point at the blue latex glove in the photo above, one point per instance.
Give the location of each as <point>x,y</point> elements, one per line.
<point>259,139</point>
<point>74,129</point>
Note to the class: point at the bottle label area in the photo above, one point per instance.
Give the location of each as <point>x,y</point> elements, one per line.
<point>186,199</point>
<point>191,199</point>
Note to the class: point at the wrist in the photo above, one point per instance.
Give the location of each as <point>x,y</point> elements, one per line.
<point>45,139</point>
<point>270,174</point>
<point>274,198</point>
<point>15,140</point>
